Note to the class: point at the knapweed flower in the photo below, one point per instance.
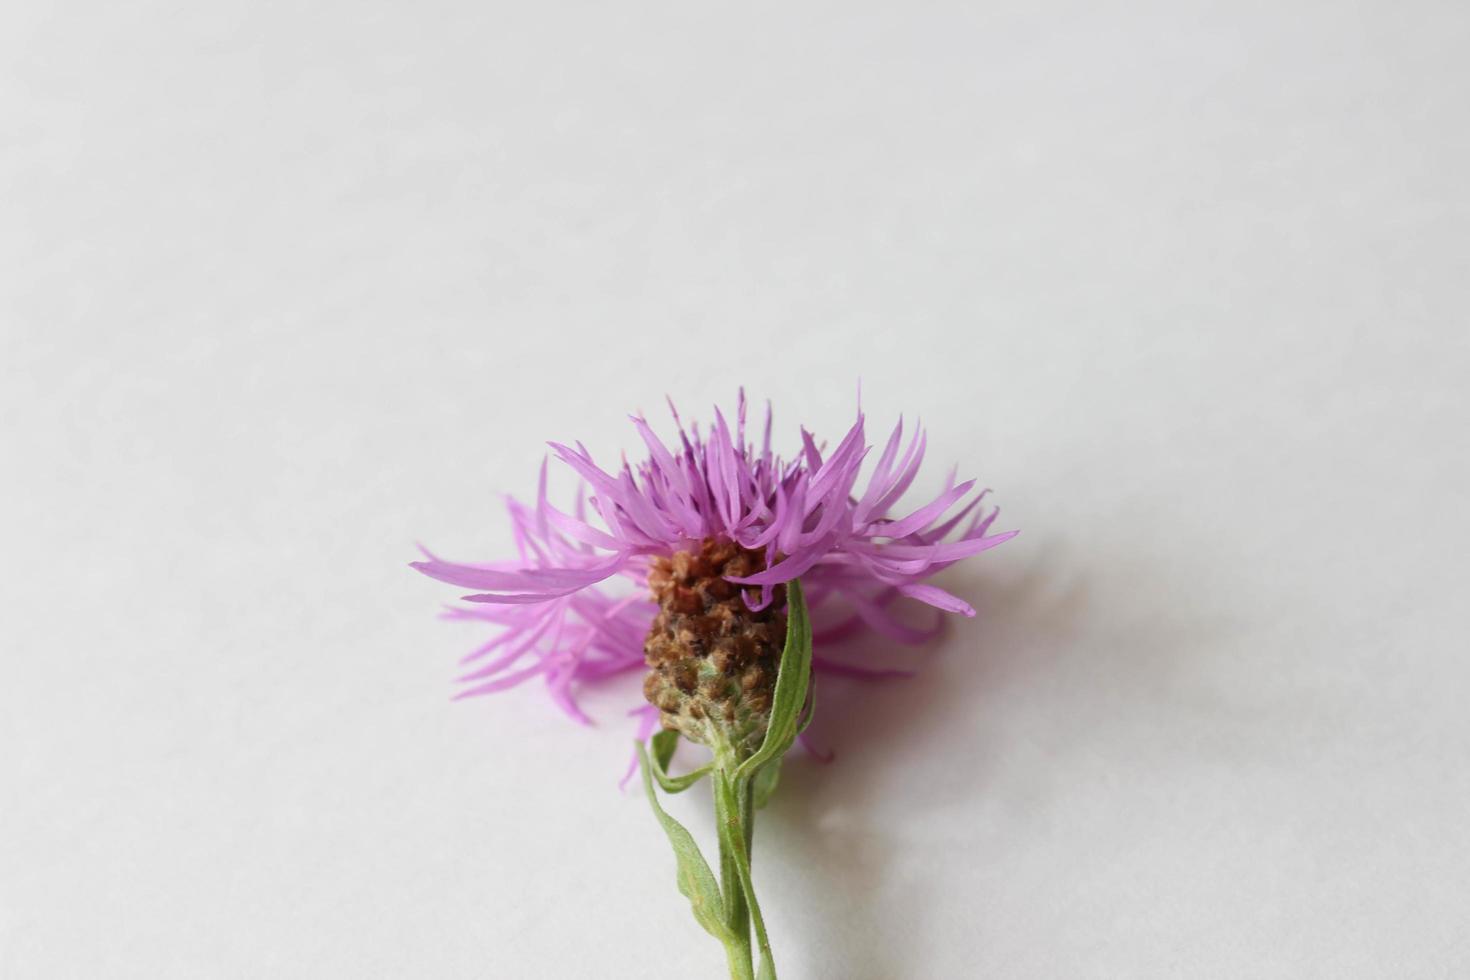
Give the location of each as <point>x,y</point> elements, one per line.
<point>731,563</point>
<point>708,533</point>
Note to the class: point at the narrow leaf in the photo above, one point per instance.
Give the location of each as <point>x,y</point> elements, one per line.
<point>663,744</point>
<point>792,679</point>
<point>696,881</point>
<point>810,711</point>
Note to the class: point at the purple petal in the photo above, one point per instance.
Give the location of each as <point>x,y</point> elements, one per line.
<point>938,598</point>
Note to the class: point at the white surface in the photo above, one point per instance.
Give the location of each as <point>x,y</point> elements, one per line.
<point>286,288</point>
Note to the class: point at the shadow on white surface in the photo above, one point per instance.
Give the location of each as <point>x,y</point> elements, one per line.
<point>858,862</point>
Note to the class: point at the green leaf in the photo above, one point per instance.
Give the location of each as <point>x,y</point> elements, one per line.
<point>793,677</point>
<point>810,711</point>
<point>764,783</point>
<point>696,880</point>
<point>663,744</point>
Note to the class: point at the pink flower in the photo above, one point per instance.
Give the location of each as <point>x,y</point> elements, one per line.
<point>856,555</point>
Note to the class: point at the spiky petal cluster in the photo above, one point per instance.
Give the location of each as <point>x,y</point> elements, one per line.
<point>810,517</point>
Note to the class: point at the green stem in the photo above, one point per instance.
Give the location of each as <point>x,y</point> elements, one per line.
<point>731,824</point>
<point>735,813</point>
<point>768,964</point>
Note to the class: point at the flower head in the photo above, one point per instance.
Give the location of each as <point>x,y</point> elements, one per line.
<point>708,532</point>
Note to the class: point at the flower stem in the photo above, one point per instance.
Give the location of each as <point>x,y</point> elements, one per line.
<point>735,818</point>
<point>732,823</point>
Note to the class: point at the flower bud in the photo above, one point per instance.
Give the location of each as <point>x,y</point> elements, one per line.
<point>712,659</point>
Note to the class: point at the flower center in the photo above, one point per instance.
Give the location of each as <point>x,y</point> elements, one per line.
<point>712,660</point>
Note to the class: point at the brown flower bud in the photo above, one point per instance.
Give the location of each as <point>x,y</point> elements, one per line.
<point>712,660</point>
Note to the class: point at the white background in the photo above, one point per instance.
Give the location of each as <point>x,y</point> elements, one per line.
<point>286,288</point>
